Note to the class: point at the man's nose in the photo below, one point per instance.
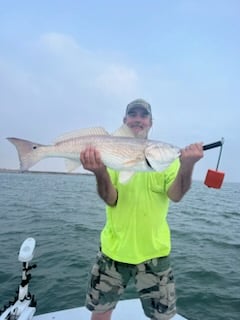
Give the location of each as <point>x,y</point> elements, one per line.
<point>138,118</point>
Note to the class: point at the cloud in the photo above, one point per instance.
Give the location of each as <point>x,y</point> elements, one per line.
<point>61,75</point>
<point>88,69</point>
<point>60,86</point>
<point>117,80</point>
<point>57,86</point>
<point>58,44</point>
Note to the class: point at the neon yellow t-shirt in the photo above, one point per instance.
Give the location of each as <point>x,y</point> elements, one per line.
<point>136,229</point>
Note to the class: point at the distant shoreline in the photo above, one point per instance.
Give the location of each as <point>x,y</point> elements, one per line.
<point>2,170</point>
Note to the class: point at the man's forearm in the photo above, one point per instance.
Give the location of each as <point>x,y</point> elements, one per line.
<point>105,188</point>
<point>181,184</point>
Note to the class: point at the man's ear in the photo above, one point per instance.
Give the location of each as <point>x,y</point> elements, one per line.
<point>124,120</point>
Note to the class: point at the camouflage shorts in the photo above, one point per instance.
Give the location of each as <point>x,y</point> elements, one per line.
<point>153,280</point>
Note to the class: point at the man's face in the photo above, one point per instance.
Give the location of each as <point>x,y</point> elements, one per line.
<point>139,121</point>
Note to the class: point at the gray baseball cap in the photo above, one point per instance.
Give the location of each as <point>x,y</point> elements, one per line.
<point>139,103</point>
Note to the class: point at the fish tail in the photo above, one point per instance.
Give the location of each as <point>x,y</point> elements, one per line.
<point>28,152</point>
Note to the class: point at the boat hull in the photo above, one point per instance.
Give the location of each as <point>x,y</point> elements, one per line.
<point>126,309</point>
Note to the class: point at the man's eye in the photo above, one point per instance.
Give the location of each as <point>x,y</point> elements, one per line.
<point>135,114</point>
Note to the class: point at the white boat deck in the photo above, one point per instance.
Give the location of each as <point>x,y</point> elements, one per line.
<point>126,309</point>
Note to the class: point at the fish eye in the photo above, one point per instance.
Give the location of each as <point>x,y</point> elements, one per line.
<point>34,147</point>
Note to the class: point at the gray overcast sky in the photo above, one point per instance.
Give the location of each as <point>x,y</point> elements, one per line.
<point>68,64</point>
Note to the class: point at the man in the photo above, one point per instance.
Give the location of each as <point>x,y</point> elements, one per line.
<point>135,242</point>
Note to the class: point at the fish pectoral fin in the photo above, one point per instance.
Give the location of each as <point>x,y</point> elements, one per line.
<point>125,176</point>
<point>72,165</point>
<point>133,161</point>
<point>129,163</point>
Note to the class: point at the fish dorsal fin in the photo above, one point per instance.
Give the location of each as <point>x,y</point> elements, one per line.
<point>123,131</point>
<point>98,131</point>
<point>125,176</point>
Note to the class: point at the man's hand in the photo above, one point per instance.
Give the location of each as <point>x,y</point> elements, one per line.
<point>191,154</point>
<point>91,160</point>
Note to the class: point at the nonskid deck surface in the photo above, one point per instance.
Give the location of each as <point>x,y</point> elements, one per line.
<point>126,309</point>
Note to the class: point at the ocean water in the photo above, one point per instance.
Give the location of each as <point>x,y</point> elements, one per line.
<point>65,216</point>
